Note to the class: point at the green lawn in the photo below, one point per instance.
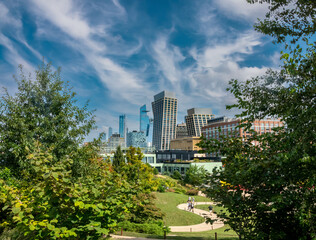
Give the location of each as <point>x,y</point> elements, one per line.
<point>168,202</point>
<point>216,209</point>
<point>208,235</point>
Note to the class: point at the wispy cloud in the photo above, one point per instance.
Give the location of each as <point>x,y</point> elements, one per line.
<point>92,44</point>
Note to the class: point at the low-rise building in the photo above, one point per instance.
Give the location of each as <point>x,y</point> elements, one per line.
<point>136,139</point>
<point>229,128</point>
<point>185,143</point>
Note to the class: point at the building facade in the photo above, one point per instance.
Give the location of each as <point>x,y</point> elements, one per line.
<point>144,122</point>
<point>229,127</point>
<point>185,143</point>
<point>110,132</point>
<point>165,108</point>
<point>196,119</point>
<point>122,125</point>
<point>116,140</point>
<point>182,130</point>
<point>136,139</point>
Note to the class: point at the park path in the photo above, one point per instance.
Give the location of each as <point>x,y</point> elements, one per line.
<point>202,226</point>
<point>190,228</point>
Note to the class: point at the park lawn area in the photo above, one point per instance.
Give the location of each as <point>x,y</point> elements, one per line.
<point>168,202</point>
<point>216,209</point>
<point>221,235</point>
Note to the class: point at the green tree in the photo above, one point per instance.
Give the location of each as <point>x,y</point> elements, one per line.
<point>269,188</point>
<point>195,175</point>
<point>43,109</point>
<point>118,160</point>
<point>177,175</point>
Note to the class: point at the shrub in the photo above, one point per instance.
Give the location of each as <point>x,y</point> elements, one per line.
<point>154,227</point>
<point>192,192</point>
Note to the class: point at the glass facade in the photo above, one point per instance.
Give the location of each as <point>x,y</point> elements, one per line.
<point>122,126</point>
<point>144,122</point>
<point>136,139</point>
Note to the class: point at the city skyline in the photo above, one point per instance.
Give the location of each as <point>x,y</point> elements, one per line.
<point>118,54</point>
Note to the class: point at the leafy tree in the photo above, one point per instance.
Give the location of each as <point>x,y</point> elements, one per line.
<point>43,109</point>
<point>118,160</point>
<point>176,175</point>
<point>195,175</point>
<point>269,188</point>
<point>56,207</point>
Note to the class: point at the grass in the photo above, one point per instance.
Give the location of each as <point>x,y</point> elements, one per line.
<point>208,235</point>
<point>216,209</point>
<point>168,202</point>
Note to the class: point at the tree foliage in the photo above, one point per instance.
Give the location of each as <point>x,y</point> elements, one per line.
<point>56,207</point>
<point>118,160</point>
<point>43,109</point>
<point>289,19</point>
<point>62,189</point>
<point>269,188</point>
<point>195,175</point>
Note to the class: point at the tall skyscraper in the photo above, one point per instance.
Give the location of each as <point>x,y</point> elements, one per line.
<point>165,106</point>
<point>196,119</point>
<point>122,126</point>
<point>144,123</point>
<point>110,132</point>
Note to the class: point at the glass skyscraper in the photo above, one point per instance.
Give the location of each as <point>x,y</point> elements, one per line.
<point>122,126</point>
<point>144,123</point>
<point>165,106</point>
<point>110,132</point>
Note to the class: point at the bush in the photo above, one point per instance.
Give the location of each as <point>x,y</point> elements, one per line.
<point>192,192</point>
<point>155,227</point>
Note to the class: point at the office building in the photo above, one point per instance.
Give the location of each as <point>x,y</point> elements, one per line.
<point>144,122</point>
<point>182,130</point>
<point>165,108</point>
<point>110,132</point>
<point>136,139</point>
<point>122,126</point>
<point>196,119</point>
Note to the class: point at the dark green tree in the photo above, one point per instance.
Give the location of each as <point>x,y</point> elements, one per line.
<point>195,175</point>
<point>118,160</point>
<point>269,188</point>
<point>177,175</point>
<point>43,109</point>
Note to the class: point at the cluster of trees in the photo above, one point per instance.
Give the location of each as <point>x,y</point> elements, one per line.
<point>269,189</point>
<point>51,185</point>
<point>194,175</point>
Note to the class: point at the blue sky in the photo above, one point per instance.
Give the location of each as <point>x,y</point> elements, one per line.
<point>118,54</point>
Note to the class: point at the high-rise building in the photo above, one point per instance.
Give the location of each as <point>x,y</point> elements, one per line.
<point>136,139</point>
<point>122,126</point>
<point>182,130</point>
<point>196,119</point>
<point>144,122</point>
<point>165,106</point>
<point>110,132</point>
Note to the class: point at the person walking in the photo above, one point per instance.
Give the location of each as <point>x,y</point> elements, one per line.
<point>189,205</point>
<point>211,209</point>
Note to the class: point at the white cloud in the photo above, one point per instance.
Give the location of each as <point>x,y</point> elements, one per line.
<point>7,18</point>
<point>121,82</point>
<point>242,9</point>
<point>168,58</point>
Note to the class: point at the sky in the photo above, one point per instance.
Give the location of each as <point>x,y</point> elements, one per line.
<point>119,53</point>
